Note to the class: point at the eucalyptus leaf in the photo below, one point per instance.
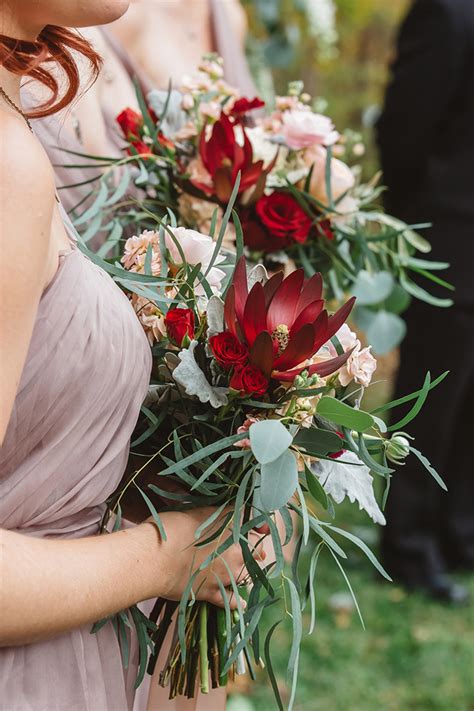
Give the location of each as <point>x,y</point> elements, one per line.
<point>279,480</point>
<point>398,301</point>
<point>372,288</point>
<point>429,467</point>
<point>385,331</point>
<point>296,641</point>
<point>268,440</point>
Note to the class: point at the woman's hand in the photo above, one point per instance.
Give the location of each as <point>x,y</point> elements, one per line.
<point>53,585</point>
<point>184,558</point>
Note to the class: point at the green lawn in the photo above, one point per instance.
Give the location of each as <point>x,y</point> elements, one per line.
<point>414,654</point>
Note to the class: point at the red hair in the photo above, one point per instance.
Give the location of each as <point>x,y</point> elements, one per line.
<point>54,45</point>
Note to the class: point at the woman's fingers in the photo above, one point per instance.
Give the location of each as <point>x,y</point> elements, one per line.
<point>218,600</point>
<point>259,552</point>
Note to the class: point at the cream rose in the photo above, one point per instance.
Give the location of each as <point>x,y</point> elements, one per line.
<point>342,178</point>
<point>360,367</point>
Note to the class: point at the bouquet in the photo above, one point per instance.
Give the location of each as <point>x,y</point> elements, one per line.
<point>255,409</point>
<point>297,201</point>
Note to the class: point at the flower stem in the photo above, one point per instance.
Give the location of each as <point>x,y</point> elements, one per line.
<point>221,641</point>
<point>203,652</point>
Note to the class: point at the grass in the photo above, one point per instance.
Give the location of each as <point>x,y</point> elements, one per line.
<point>415,654</point>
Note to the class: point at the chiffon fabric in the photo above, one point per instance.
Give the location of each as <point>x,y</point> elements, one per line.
<point>65,450</point>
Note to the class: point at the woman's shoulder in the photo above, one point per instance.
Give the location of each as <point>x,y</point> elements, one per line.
<point>27,193</point>
<point>23,158</point>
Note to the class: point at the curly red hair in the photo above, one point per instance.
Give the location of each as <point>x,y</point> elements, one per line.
<point>54,45</point>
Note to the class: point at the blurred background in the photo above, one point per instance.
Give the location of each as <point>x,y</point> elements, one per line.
<point>414,653</point>
<point>339,48</point>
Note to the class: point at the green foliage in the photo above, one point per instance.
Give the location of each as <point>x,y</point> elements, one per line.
<point>413,654</point>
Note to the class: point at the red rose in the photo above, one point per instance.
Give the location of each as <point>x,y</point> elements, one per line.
<point>257,237</point>
<point>130,122</point>
<point>228,350</point>
<point>250,379</point>
<point>163,141</point>
<point>179,324</point>
<point>284,217</point>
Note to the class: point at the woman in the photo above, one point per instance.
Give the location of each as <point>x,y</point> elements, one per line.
<point>75,368</point>
<point>89,125</point>
<point>184,31</point>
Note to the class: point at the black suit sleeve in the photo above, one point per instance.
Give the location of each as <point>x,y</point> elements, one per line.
<point>424,78</point>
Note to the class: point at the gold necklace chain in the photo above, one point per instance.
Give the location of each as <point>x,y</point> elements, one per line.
<point>11,103</point>
<point>16,108</point>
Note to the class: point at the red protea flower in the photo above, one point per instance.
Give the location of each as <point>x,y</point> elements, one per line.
<point>224,157</point>
<point>283,323</point>
<point>244,105</point>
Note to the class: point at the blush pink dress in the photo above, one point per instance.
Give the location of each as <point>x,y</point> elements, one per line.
<point>64,453</point>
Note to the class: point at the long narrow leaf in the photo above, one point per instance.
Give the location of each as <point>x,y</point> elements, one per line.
<point>269,665</point>
<point>296,641</point>
<point>416,407</point>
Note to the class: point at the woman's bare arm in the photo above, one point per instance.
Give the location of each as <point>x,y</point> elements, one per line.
<point>49,586</point>
<point>26,210</point>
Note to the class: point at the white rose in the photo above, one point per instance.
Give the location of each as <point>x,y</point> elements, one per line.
<point>197,249</point>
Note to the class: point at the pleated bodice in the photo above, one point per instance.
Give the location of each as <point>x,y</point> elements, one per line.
<point>64,453</point>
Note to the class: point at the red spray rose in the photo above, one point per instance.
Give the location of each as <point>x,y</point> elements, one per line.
<point>130,122</point>
<point>283,217</point>
<point>340,452</point>
<point>249,379</point>
<point>228,350</point>
<point>325,230</point>
<point>179,324</point>
<point>143,149</point>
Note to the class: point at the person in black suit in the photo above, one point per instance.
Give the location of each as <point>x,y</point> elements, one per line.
<point>426,140</point>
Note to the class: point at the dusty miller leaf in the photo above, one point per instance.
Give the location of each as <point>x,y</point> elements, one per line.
<point>190,376</point>
<point>215,316</point>
<point>349,477</point>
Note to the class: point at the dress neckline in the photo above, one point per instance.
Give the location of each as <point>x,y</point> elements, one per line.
<point>63,255</point>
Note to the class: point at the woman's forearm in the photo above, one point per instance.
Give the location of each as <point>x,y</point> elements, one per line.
<point>49,586</point>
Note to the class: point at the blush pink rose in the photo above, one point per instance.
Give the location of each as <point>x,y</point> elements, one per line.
<point>302,129</point>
